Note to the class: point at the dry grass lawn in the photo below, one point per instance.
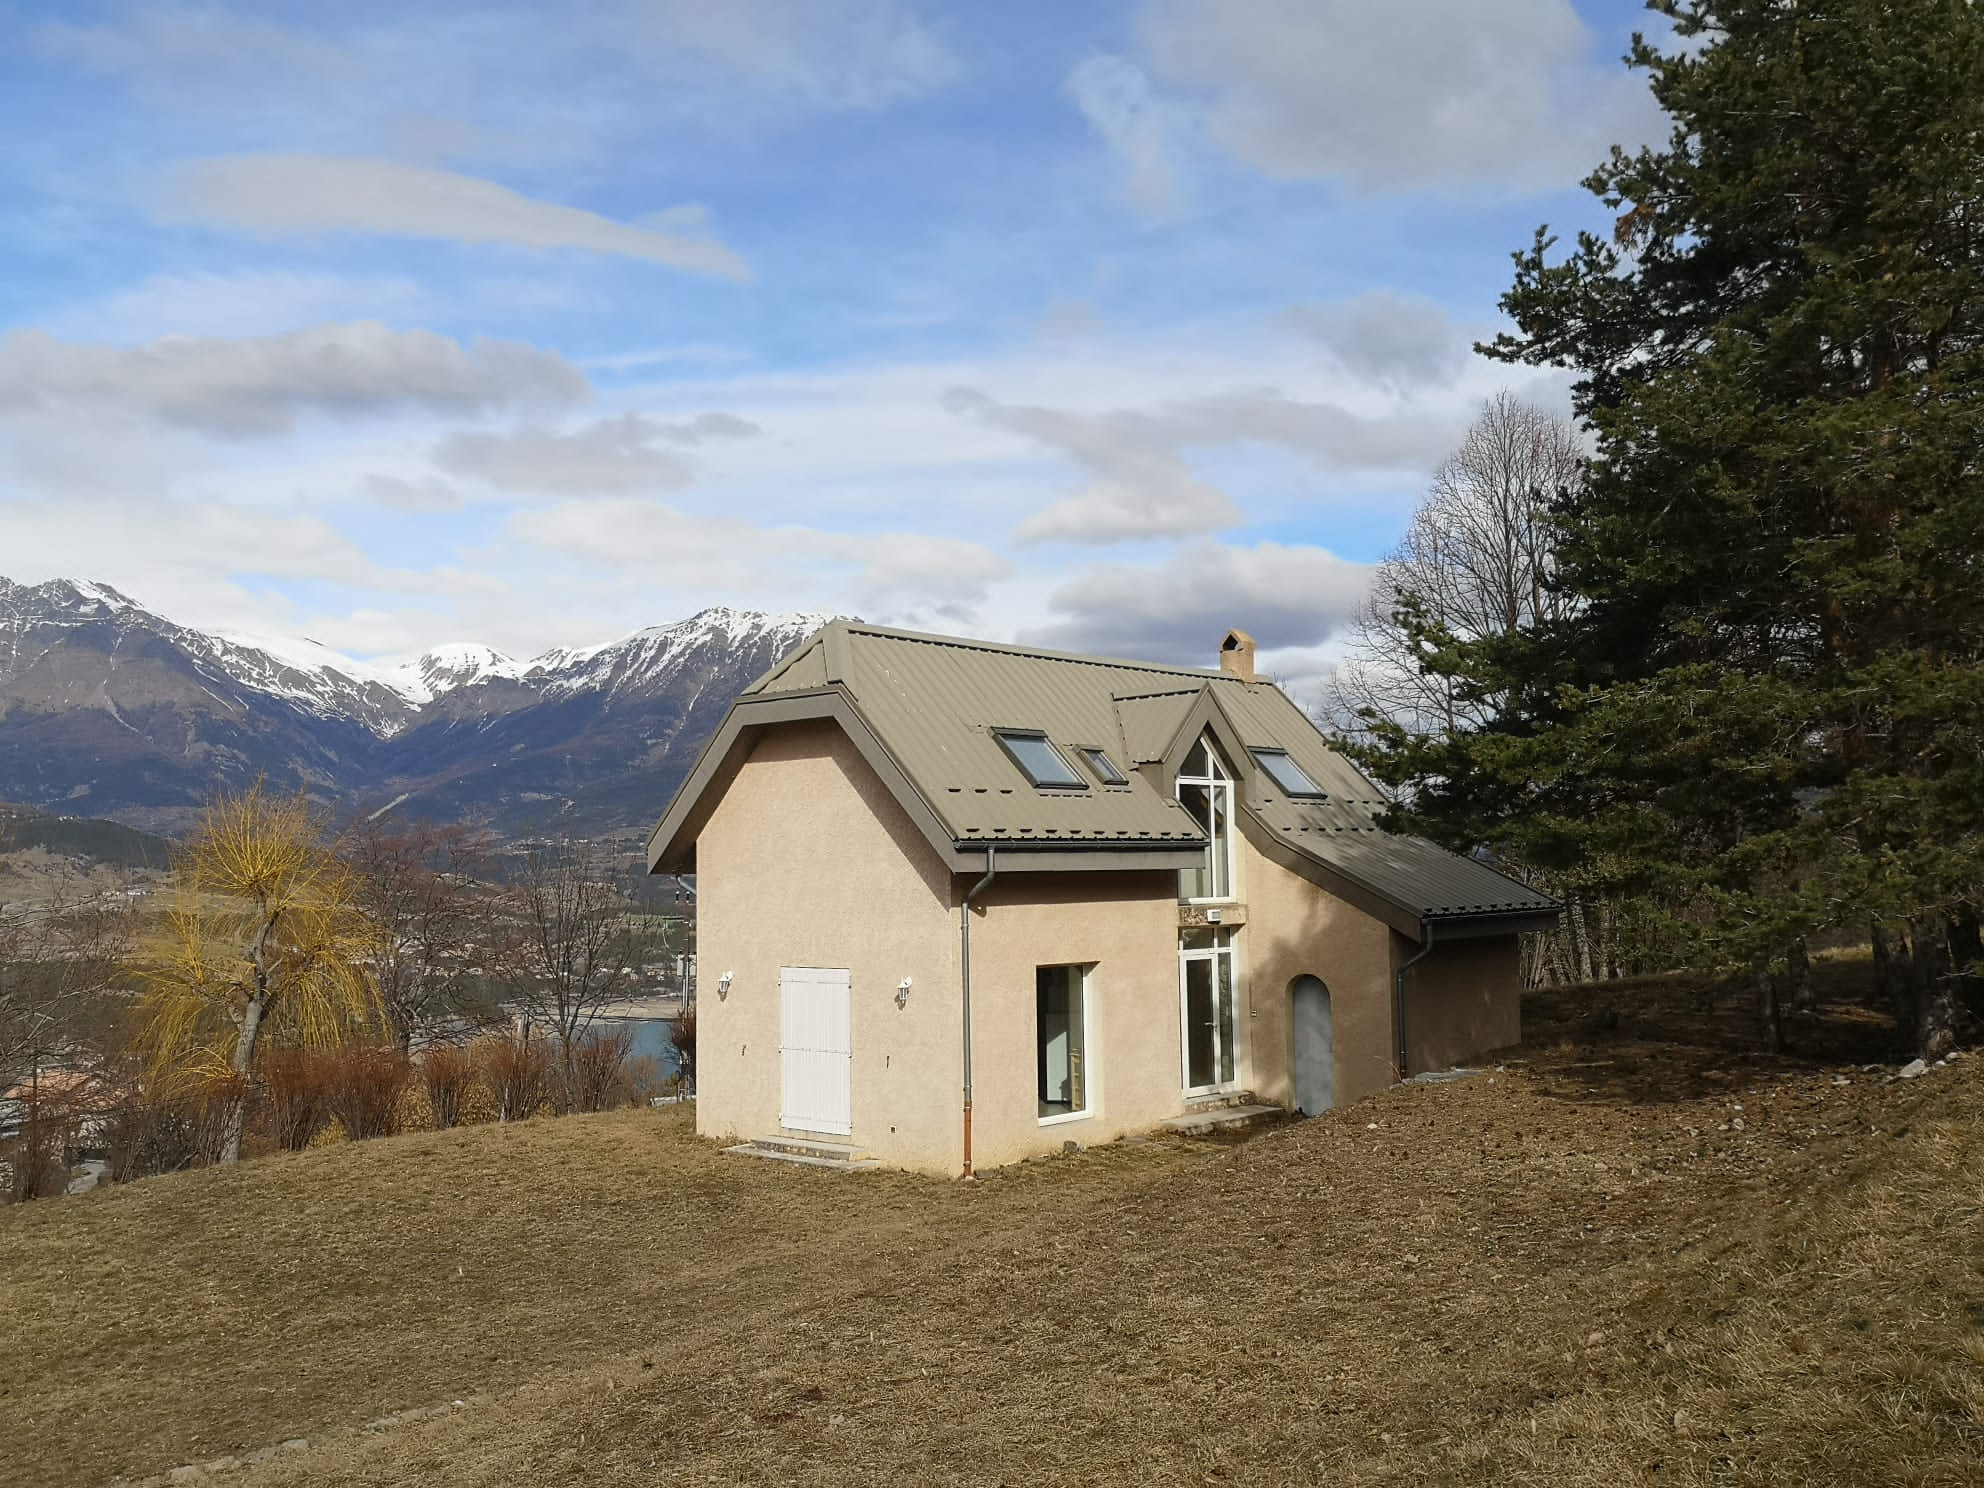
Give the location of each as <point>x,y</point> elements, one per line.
<point>1631,1256</point>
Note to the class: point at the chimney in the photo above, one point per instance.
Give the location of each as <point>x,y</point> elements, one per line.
<point>1236,655</point>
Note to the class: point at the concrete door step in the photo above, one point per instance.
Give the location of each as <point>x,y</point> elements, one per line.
<point>837,1156</point>
<point>1223,1119</point>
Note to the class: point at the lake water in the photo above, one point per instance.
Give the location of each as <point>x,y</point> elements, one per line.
<point>650,1040</point>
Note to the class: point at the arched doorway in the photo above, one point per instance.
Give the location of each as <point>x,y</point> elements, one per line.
<point>1315,1045</point>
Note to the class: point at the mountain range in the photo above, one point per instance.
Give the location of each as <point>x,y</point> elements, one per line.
<point>110,710</point>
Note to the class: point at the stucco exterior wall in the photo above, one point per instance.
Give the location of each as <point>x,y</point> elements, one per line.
<point>1296,928</point>
<point>1125,927</point>
<point>1461,1001</point>
<point>808,861</point>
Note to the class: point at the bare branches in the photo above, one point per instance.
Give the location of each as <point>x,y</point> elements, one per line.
<point>575,948</point>
<point>415,884</point>
<point>1476,562</point>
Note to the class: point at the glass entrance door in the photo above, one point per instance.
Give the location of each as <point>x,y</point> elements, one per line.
<point>1206,1007</point>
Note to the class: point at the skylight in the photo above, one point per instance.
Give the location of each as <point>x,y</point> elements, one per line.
<point>1104,767</point>
<point>1286,773</point>
<point>1039,760</point>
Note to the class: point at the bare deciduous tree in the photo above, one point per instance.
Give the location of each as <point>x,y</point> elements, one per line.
<point>428,915</point>
<point>575,949</point>
<point>1475,562</point>
<point>58,953</point>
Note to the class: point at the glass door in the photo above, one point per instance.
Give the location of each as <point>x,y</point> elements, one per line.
<point>1208,1021</point>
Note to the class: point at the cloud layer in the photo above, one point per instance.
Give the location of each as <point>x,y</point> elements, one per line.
<point>1141,483</point>
<point>1502,94</point>
<point>262,385</point>
<point>1285,596</point>
<point>611,456</point>
<point>319,194</point>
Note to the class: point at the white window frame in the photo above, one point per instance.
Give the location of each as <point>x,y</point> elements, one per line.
<point>1224,943</point>
<point>1218,779</point>
<point>1091,1064</point>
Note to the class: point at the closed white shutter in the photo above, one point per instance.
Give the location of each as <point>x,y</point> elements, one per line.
<point>816,1050</point>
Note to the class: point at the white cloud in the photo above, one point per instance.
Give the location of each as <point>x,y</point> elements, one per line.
<point>610,456</point>
<point>1391,97</point>
<point>663,545</point>
<point>198,56</point>
<point>1398,342</point>
<point>838,53</point>
<point>425,494</point>
<point>1137,124</point>
<point>259,386</point>
<point>233,305</point>
<point>1142,485</point>
<point>320,193</point>
<point>1284,596</point>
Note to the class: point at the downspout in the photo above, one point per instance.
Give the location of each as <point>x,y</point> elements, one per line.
<point>1398,989</point>
<point>964,969</point>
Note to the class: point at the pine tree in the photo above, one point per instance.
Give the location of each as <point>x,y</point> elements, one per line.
<point>1765,708</point>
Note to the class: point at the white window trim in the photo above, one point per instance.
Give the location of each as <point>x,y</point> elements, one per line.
<point>1211,953</point>
<point>1091,1065</point>
<point>1215,783</point>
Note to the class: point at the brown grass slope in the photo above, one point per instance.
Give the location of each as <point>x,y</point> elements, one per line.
<point>1579,1271</point>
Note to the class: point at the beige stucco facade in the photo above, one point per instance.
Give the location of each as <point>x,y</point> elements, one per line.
<point>809,861</point>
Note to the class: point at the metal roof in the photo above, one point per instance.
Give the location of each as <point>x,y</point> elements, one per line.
<point>935,703</point>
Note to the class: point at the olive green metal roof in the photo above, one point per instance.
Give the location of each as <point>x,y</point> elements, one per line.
<point>933,705</point>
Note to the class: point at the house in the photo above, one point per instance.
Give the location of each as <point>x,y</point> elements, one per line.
<point>962,903</point>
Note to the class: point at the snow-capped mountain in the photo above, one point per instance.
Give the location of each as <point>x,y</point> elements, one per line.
<point>110,709</point>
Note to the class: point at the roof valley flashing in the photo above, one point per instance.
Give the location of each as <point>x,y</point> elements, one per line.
<point>927,712</point>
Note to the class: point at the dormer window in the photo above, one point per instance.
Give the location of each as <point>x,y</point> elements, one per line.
<point>1205,789</point>
<point>1104,767</point>
<point>1284,772</point>
<point>1041,763</point>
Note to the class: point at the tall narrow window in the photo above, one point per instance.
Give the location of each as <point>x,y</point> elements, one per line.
<point>1060,1004</point>
<point>1205,787</point>
<point>1208,1014</point>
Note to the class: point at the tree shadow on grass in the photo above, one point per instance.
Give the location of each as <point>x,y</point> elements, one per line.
<point>1658,1040</point>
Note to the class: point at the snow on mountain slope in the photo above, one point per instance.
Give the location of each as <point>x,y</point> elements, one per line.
<point>383,697</point>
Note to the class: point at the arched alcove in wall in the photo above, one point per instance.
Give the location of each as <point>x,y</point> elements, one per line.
<point>1313,1031</point>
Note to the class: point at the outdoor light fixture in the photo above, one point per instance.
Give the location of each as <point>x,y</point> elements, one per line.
<point>902,993</point>
<point>723,987</point>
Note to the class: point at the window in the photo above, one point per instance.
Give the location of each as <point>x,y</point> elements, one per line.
<point>1103,766</point>
<point>1285,773</point>
<point>1039,760</point>
<point>1205,787</point>
<point>1060,1001</point>
<point>1208,1019</point>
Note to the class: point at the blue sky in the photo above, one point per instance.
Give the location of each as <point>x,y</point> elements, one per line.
<point>1106,324</point>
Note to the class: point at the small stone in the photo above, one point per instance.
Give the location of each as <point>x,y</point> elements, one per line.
<point>1913,1068</point>
<point>1595,1339</point>
<point>1737,1124</point>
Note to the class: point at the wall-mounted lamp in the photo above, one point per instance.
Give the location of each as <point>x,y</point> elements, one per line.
<point>902,993</point>
<point>723,987</point>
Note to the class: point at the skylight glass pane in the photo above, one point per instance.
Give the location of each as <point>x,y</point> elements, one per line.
<point>1040,760</point>
<point>1104,767</point>
<point>1286,773</point>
